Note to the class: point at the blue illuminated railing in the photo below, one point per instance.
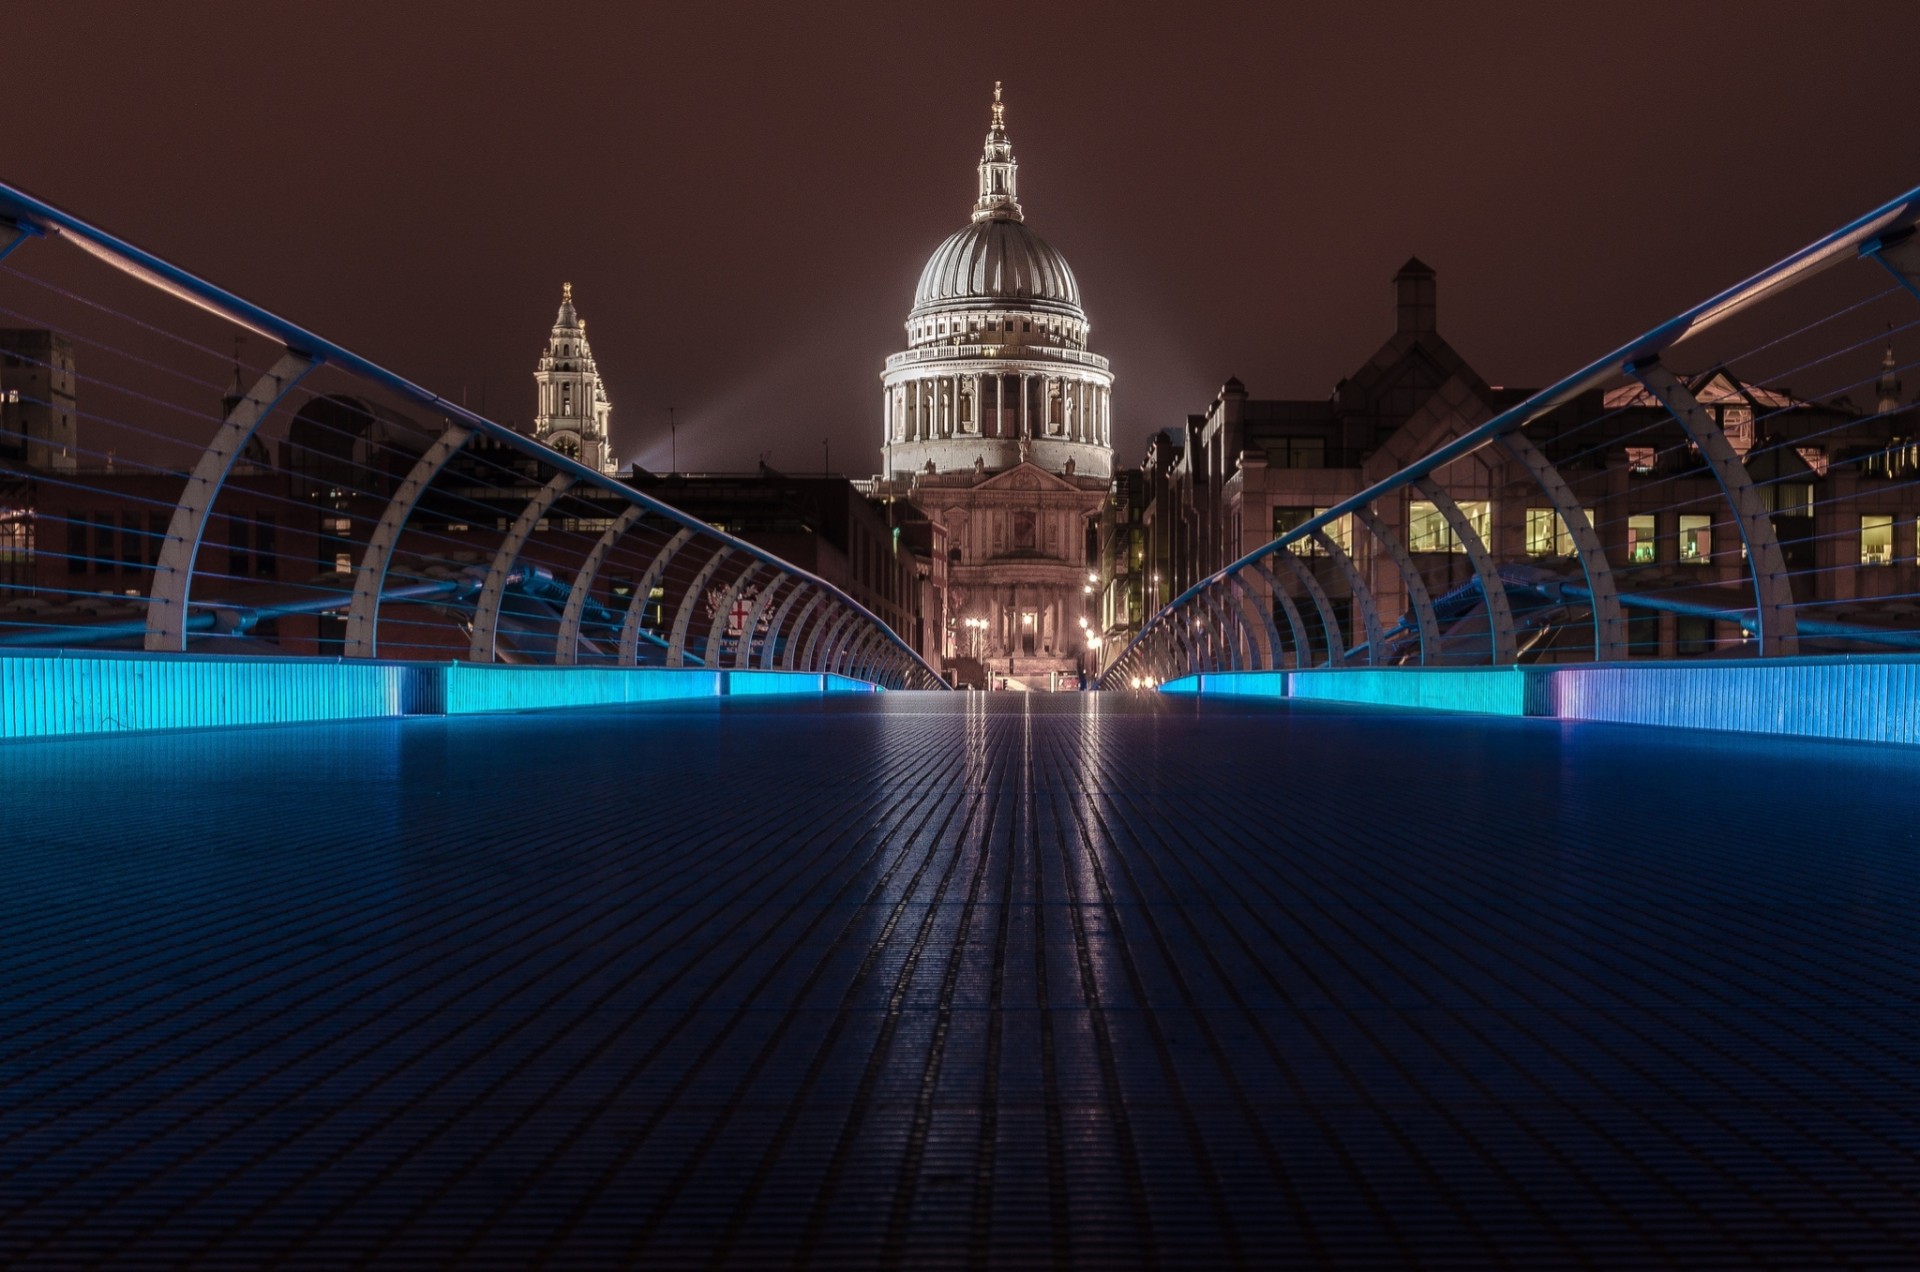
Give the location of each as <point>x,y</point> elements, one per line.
<point>1628,511</point>
<point>339,509</point>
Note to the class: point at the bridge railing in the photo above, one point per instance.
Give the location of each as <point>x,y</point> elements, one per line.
<point>1741,481</point>
<point>183,471</point>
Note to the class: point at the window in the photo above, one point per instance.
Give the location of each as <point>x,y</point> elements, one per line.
<point>1547,534</point>
<point>1696,539</point>
<point>1692,635</point>
<point>76,543</point>
<point>1428,530</point>
<point>343,563</point>
<point>133,547</point>
<point>1640,459</point>
<point>1640,545</point>
<point>1737,423</point>
<point>1297,452</point>
<point>1876,539</point>
<point>1791,499</point>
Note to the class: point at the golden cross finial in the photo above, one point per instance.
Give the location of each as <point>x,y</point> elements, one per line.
<point>999,111</point>
<point>566,291</point>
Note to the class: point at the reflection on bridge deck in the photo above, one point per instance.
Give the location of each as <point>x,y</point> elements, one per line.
<point>928,979</point>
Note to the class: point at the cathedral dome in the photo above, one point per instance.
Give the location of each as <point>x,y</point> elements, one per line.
<point>992,261</point>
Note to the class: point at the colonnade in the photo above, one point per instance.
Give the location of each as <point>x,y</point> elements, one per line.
<point>1065,408</point>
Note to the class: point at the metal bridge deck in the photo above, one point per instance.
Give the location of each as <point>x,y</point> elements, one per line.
<point>945,979</point>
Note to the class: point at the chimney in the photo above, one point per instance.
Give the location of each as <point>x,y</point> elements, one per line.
<point>1413,297</point>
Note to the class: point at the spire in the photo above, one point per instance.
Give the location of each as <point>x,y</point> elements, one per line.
<point>1889,387</point>
<point>998,171</point>
<point>568,317</point>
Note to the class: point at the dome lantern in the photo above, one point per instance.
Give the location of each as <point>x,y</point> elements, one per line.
<point>999,172</point>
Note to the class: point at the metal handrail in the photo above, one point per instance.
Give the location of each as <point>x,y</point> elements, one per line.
<point>1886,226</point>
<point>37,217</point>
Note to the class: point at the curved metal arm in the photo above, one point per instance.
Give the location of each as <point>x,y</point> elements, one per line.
<point>717,629</point>
<point>1296,626</point>
<point>173,576</point>
<point>1493,589</point>
<point>1329,625</point>
<point>1772,592</point>
<point>1226,643</point>
<point>683,615</point>
<point>363,613</point>
<point>774,647</point>
<point>1426,622</point>
<point>1609,622</point>
<point>743,654</point>
<point>829,626</point>
<point>566,645</point>
<point>1362,596</point>
<point>486,612</point>
<point>1260,619</point>
<point>642,593</point>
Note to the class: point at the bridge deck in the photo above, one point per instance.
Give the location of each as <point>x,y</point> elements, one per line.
<point>929,979</point>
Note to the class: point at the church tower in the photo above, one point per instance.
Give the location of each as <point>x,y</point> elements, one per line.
<point>573,408</point>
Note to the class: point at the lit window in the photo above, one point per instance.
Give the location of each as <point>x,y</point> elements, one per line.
<point>343,563</point>
<point>340,525</point>
<point>1427,530</point>
<point>1547,534</point>
<point>1640,459</point>
<point>1876,539</point>
<point>1640,539</point>
<point>1696,539</point>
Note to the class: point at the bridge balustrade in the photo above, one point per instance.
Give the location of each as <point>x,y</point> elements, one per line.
<point>1741,484</point>
<point>184,473</point>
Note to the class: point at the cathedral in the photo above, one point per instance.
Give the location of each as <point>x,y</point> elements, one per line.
<point>573,408</point>
<point>997,427</point>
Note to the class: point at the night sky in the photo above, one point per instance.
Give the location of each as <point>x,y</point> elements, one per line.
<point>743,196</point>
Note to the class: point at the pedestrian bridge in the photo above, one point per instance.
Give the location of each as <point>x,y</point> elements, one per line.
<point>612,891</point>
<point>927,979</point>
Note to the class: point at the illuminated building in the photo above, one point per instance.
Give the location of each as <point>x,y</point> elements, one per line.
<point>997,425</point>
<point>572,413</point>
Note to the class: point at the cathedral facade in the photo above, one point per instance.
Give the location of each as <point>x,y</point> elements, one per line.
<point>997,426</point>
<point>572,410</point>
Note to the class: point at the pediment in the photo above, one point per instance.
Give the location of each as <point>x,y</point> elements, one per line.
<point>1026,476</point>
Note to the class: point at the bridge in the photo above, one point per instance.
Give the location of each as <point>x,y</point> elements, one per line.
<point>582,906</point>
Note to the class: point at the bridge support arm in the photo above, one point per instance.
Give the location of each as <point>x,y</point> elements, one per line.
<point>566,645</point>
<point>1362,596</point>
<point>1772,590</point>
<point>1336,639</point>
<point>363,613</point>
<point>173,575</point>
<point>683,615</point>
<point>1419,600</point>
<point>486,612</point>
<point>1493,589</point>
<point>1609,623</point>
<point>635,618</point>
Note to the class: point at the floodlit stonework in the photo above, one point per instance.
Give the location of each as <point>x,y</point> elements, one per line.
<point>573,408</point>
<point>997,425</point>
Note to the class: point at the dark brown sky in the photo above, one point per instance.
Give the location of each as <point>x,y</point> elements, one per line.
<point>743,195</point>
